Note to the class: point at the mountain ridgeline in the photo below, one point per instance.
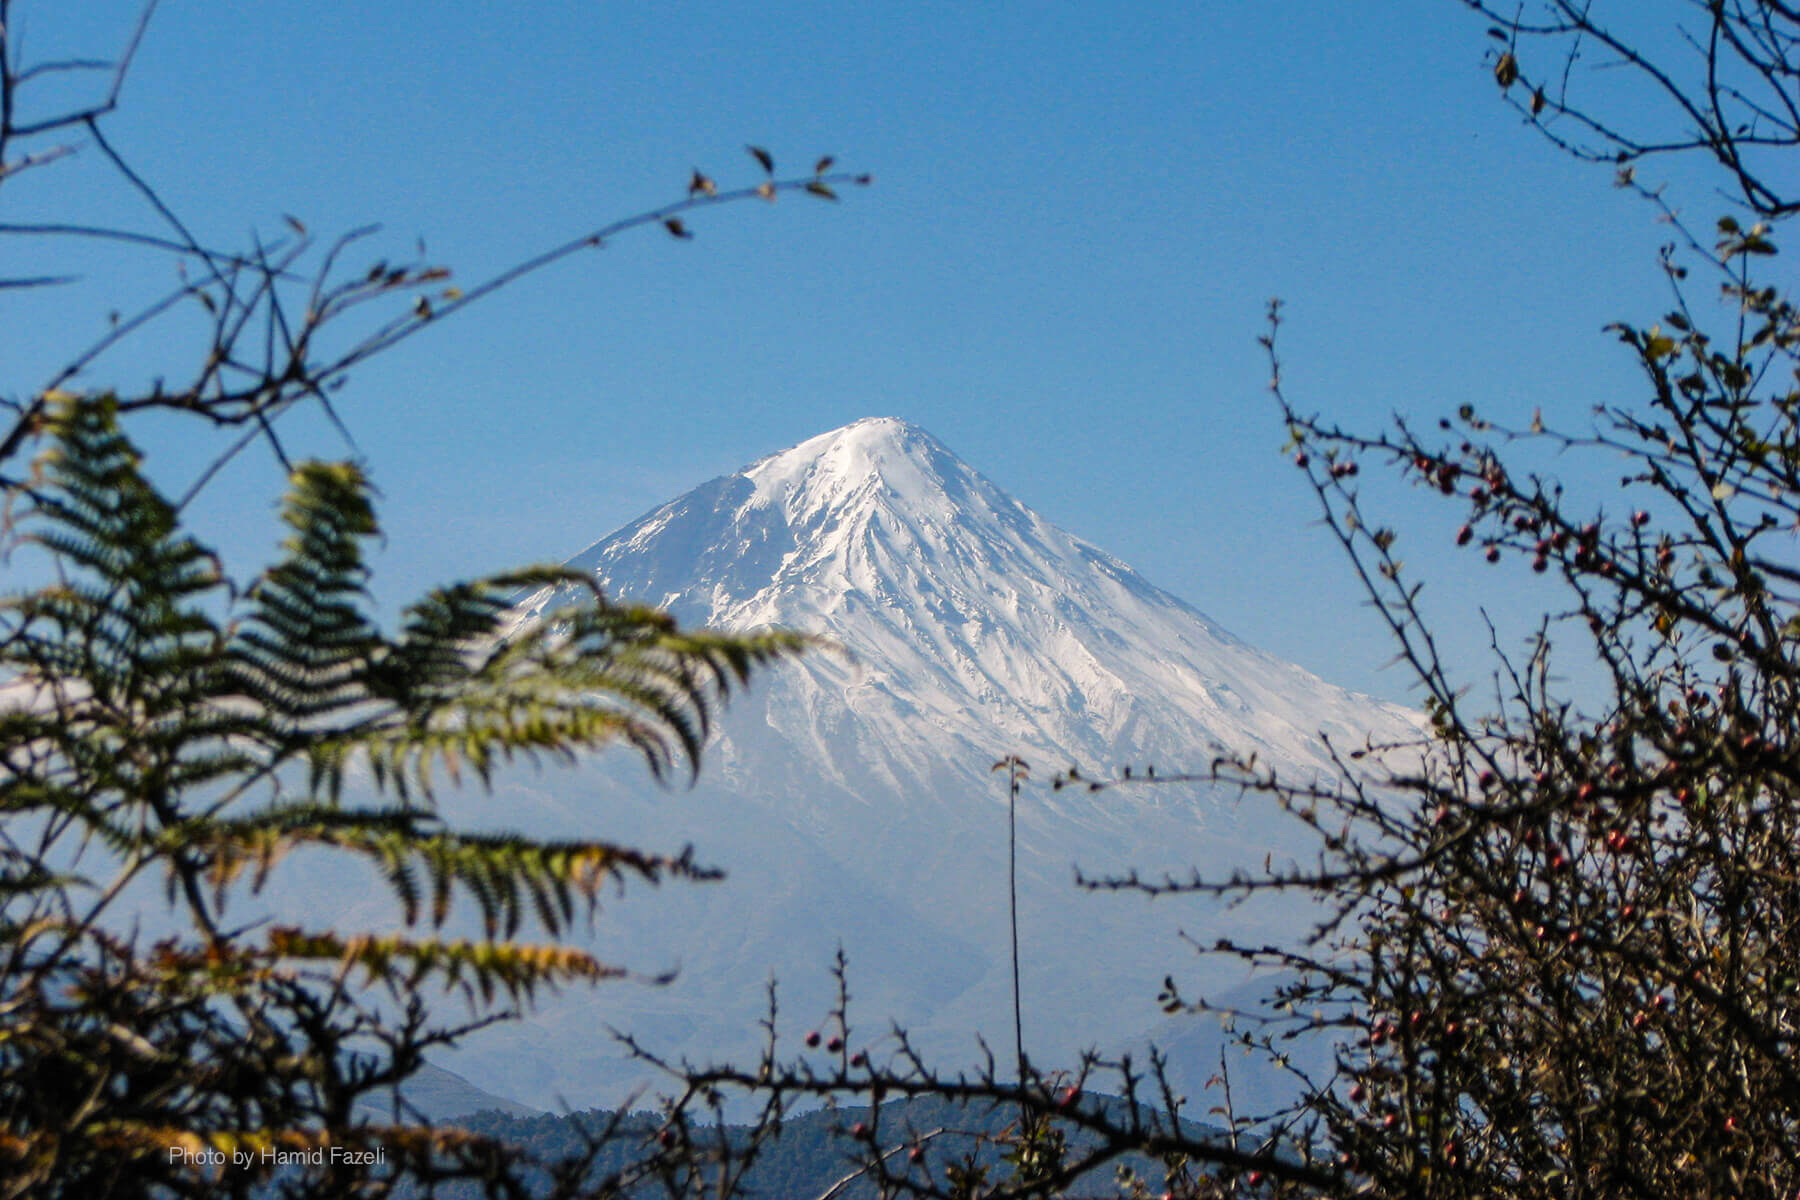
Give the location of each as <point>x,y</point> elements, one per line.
<point>850,797</point>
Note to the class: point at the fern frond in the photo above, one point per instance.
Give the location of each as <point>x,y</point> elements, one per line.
<point>145,724</point>
<point>486,967</point>
<point>508,876</point>
<point>169,1143</point>
<point>469,685</point>
<point>123,658</point>
<point>302,650</point>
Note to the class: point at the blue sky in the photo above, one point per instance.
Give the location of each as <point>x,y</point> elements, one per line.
<point>1079,213</point>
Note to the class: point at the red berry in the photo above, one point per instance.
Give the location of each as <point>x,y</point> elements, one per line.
<point>1493,554</point>
<point>858,1059</point>
<point>1640,518</point>
<point>812,1039</point>
<point>1464,536</point>
<point>859,1130</point>
<point>835,1044</point>
<point>916,1154</point>
<point>1300,460</point>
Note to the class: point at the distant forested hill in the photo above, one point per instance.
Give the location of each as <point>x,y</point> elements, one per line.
<point>812,1152</point>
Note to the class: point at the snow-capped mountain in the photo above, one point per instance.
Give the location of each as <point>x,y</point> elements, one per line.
<point>968,616</point>
<point>850,796</point>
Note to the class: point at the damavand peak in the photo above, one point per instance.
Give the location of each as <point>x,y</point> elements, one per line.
<point>849,796</point>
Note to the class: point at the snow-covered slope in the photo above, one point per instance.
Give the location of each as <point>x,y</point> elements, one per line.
<point>967,616</point>
<point>850,796</point>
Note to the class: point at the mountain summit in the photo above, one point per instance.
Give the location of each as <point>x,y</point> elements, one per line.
<point>850,796</point>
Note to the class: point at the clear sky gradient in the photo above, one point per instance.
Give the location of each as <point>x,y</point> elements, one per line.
<point>1079,213</point>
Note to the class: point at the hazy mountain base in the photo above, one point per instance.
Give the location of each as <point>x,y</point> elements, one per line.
<point>1092,963</point>
<point>439,1095</point>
